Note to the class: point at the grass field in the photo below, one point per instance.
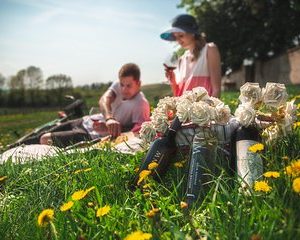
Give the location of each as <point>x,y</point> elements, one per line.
<point>86,195</point>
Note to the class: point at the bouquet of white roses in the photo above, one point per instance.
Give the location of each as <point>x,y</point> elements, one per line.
<point>193,107</point>
<point>266,108</point>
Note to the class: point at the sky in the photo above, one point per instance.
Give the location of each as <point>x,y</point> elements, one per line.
<point>88,40</point>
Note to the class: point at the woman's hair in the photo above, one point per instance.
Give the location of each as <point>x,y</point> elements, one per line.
<point>130,69</point>
<point>200,43</point>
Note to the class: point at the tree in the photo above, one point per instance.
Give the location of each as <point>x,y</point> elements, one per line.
<point>58,85</point>
<point>2,81</point>
<point>33,82</point>
<point>250,29</point>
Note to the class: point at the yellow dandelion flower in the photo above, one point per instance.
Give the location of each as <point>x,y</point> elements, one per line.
<point>146,194</point>
<point>262,186</point>
<point>293,170</point>
<point>136,169</point>
<point>296,167</point>
<point>179,164</point>
<point>152,212</point>
<point>66,206</point>
<point>296,185</point>
<point>256,147</point>
<point>81,194</point>
<point>78,195</point>
<point>289,171</point>
<point>143,175</point>
<point>45,217</point>
<point>152,165</point>
<point>272,174</point>
<point>103,211</point>
<point>3,178</point>
<point>183,205</point>
<point>296,124</point>
<point>138,235</point>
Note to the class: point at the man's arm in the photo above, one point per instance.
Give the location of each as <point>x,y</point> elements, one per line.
<point>113,126</point>
<point>105,103</point>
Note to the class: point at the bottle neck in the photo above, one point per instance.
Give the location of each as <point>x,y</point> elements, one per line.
<point>175,125</point>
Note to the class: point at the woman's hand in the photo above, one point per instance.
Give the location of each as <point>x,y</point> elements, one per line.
<point>169,73</point>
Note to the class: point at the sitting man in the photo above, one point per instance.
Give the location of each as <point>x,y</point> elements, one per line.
<point>123,108</point>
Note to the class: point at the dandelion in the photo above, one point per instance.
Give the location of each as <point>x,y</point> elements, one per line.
<point>294,169</point>
<point>143,175</point>
<point>256,147</point>
<point>81,194</point>
<point>271,174</point>
<point>3,178</point>
<point>296,185</point>
<point>90,204</point>
<point>146,194</point>
<point>183,205</point>
<point>152,212</point>
<point>78,195</point>
<point>296,124</point>
<point>103,211</point>
<point>179,164</point>
<point>138,235</point>
<point>152,165</point>
<point>262,186</point>
<point>66,206</point>
<point>45,217</point>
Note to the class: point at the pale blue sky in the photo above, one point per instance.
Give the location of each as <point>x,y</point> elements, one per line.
<point>88,40</point>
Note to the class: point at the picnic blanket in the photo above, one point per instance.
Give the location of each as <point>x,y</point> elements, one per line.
<point>127,143</point>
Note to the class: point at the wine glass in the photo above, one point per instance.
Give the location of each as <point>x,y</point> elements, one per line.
<point>171,61</point>
<point>95,114</point>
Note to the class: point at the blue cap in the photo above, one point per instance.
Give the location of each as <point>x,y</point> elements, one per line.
<point>184,23</point>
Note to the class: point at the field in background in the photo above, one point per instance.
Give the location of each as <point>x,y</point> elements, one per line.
<point>17,122</point>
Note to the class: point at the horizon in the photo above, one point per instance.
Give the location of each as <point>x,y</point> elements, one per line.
<point>86,40</point>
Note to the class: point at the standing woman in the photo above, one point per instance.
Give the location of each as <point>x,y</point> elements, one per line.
<point>200,65</point>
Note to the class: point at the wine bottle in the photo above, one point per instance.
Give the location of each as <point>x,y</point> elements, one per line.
<point>161,151</point>
<point>201,168</point>
<point>249,165</point>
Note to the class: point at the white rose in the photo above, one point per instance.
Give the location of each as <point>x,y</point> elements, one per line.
<point>160,121</point>
<point>201,113</point>
<point>245,114</point>
<point>250,92</point>
<point>199,94</point>
<point>223,114</point>
<point>183,108</point>
<point>147,132</point>
<point>274,94</point>
<point>167,103</point>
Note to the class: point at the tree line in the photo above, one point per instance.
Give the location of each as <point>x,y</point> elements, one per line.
<point>27,88</point>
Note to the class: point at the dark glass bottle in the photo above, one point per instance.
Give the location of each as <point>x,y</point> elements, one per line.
<point>201,168</point>
<point>161,151</point>
<point>249,164</point>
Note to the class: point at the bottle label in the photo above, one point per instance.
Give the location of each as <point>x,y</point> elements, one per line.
<point>249,164</point>
<point>198,165</point>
